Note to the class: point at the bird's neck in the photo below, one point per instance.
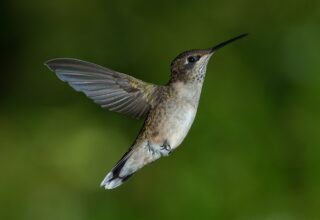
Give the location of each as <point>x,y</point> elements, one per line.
<point>187,90</point>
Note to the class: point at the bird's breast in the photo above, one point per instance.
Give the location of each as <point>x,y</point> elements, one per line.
<point>175,123</point>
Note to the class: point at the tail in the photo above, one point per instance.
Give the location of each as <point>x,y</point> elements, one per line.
<point>113,178</point>
<point>131,162</point>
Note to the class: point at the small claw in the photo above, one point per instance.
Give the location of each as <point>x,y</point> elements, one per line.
<point>150,149</point>
<point>166,146</point>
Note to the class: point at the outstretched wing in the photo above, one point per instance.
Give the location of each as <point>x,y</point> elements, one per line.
<point>112,90</point>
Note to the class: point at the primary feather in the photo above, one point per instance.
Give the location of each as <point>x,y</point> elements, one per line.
<point>112,90</point>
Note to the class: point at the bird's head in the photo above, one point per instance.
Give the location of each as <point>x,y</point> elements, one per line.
<point>191,65</point>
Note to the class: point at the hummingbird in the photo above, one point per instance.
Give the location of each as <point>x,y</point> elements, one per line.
<point>169,110</point>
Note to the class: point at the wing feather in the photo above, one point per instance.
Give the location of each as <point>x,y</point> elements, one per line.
<point>112,90</point>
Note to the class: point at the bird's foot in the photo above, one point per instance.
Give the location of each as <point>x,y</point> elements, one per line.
<point>166,146</point>
<point>150,148</point>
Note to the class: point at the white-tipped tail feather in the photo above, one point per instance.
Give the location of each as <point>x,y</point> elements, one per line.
<point>119,173</point>
<point>110,183</point>
<point>130,163</point>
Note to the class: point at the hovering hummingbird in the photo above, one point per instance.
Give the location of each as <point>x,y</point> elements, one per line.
<point>169,109</point>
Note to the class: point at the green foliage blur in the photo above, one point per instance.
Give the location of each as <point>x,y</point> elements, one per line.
<point>253,151</point>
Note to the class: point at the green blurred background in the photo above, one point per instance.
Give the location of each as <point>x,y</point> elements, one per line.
<point>252,153</point>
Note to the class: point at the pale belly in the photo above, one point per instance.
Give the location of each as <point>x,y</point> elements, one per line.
<point>177,123</point>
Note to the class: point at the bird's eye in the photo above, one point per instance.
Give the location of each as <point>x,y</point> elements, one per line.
<point>193,59</point>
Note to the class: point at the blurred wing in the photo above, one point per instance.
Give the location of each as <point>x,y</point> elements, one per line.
<point>112,90</point>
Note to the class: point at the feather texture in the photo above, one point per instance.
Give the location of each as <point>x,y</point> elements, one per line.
<point>112,90</point>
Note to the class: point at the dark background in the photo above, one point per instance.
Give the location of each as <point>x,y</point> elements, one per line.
<point>253,151</point>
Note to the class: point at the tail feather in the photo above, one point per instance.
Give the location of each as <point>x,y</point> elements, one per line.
<point>113,178</point>
<point>131,162</point>
<point>111,181</point>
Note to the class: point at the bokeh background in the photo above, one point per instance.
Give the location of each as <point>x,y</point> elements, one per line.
<point>252,153</point>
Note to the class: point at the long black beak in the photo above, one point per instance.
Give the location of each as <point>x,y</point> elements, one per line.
<point>215,48</point>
